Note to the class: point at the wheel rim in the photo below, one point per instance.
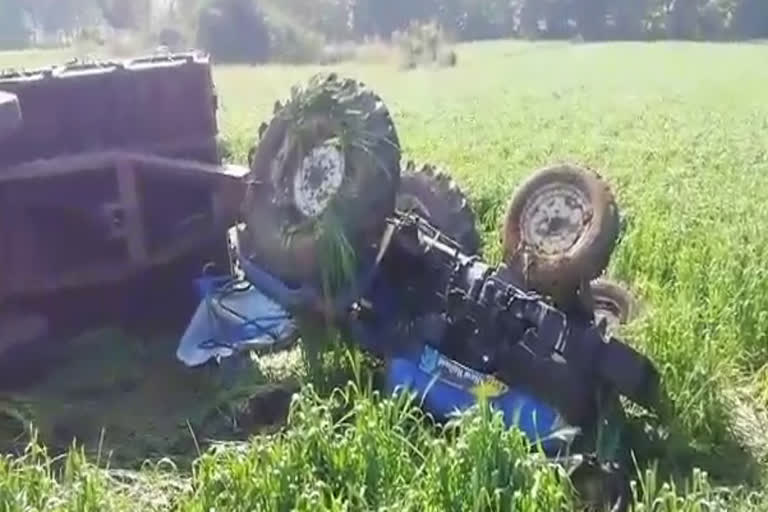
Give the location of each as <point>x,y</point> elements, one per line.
<point>411,204</point>
<point>555,218</point>
<point>318,180</point>
<point>610,311</point>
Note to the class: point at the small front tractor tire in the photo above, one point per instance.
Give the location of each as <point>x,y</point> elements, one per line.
<point>430,193</point>
<point>560,229</point>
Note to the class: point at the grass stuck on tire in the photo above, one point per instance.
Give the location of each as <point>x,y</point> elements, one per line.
<point>323,179</point>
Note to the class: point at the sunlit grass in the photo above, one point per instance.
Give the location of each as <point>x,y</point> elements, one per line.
<point>349,451</point>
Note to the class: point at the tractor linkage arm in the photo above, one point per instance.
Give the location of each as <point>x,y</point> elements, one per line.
<point>516,333</point>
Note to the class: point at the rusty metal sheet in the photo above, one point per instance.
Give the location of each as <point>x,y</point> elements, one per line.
<point>89,219</point>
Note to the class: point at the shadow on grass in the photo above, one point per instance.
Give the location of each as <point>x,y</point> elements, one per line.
<point>661,440</point>
<point>129,398</point>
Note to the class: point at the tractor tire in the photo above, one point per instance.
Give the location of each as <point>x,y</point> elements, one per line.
<point>329,157</point>
<point>612,302</point>
<point>10,113</point>
<point>560,229</point>
<point>430,193</point>
<point>602,487</point>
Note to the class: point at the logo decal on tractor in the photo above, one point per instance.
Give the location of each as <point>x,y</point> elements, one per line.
<point>460,376</point>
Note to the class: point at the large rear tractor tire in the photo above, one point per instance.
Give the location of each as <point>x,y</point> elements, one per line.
<point>431,193</point>
<point>323,180</point>
<point>560,229</point>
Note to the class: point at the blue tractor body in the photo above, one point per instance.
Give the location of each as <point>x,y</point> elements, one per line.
<point>442,385</point>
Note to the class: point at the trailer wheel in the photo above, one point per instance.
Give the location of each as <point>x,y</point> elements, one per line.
<point>612,302</point>
<point>430,193</point>
<point>328,161</point>
<point>561,228</point>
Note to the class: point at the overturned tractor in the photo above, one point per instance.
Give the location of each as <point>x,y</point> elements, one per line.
<point>109,172</point>
<point>335,229</point>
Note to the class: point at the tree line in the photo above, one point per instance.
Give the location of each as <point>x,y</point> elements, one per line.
<point>589,19</point>
<point>22,21</point>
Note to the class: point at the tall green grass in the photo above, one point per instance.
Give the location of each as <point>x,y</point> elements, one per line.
<point>350,451</point>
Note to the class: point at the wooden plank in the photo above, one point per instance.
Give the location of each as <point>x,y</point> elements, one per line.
<point>23,256</point>
<point>36,285</point>
<point>103,159</point>
<point>5,243</point>
<point>131,201</point>
<point>226,187</point>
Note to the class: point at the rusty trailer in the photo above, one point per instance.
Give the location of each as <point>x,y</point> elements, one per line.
<point>113,171</point>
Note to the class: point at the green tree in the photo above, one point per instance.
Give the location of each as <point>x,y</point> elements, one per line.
<point>750,18</point>
<point>126,14</point>
<point>233,31</point>
<point>63,15</point>
<point>715,17</point>
<point>683,19</point>
<point>14,30</point>
<point>335,19</point>
<point>565,17</point>
<point>629,18</point>
<point>382,17</point>
<point>528,15</point>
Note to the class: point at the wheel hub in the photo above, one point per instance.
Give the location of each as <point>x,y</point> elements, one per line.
<point>318,180</point>
<point>555,218</point>
<point>610,312</point>
<point>411,203</point>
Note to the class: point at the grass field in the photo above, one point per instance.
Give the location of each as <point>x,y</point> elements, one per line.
<point>681,133</point>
